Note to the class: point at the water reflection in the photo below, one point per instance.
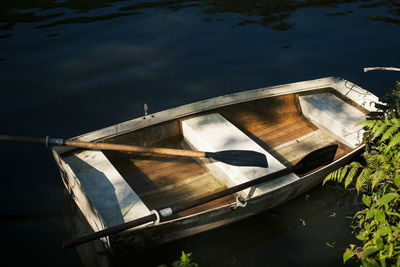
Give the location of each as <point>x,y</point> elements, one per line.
<point>274,14</point>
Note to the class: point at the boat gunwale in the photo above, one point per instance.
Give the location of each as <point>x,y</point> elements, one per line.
<point>205,105</point>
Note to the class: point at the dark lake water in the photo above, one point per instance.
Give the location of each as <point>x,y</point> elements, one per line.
<point>69,67</point>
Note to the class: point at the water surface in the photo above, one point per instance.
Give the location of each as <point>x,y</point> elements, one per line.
<point>69,67</point>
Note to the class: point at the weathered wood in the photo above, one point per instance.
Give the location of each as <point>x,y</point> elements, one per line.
<point>214,132</point>
<point>381,68</point>
<point>329,112</point>
<point>176,179</point>
<point>107,190</point>
<point>274,121</point>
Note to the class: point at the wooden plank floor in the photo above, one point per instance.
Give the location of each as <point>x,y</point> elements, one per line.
<point>273,120</point>
<point>276,122</point>
<point>162,181</point>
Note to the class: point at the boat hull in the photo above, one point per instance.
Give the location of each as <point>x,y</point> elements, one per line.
<point>197,222</point>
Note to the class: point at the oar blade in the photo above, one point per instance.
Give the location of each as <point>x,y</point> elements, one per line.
<point>316,159</point>
<point>240,158</point>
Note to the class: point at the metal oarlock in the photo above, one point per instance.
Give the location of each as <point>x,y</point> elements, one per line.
<point>157,221</point>
<point>240,203</point>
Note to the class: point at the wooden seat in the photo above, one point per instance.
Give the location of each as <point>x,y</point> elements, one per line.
<point>212,132</point>
<point>105,189</point>
<point>328,111</point>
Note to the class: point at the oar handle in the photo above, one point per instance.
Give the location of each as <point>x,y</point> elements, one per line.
<point>109,231</point>
<point>103,146</point>
<point>22,139</point>
<point>139,149</point>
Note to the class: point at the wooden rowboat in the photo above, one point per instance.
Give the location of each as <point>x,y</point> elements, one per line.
<point>283,122</point>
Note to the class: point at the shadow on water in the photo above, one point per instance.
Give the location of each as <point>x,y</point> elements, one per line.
<point>275,14</point>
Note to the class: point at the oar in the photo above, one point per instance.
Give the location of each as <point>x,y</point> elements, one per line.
<point>232,157</point>
<point>310,162</point>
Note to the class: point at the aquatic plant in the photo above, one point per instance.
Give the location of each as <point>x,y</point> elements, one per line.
<point>185,261</point>
<point>377,177</point>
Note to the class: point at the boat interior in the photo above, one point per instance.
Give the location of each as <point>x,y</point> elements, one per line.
<point>276,124</point>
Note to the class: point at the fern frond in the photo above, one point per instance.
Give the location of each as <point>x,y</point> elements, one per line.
<point>363,179</point>
<point>354,166</point>
<point>395,122</point>
<point>369,124</point>
<point>378,177</point>
<point>372,160</point>
<point>342,173</point>
<point>389,133</point>
<point>382,160</point>
<point>337,175</point>
<point>394,141</point>
<point>332,176</point>
<point>377,131</point>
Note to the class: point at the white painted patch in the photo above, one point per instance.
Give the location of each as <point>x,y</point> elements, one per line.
<point>335,115</point>
<point>114,199</point>
<point>214,133</point>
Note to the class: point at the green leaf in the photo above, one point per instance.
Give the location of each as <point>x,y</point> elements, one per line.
<point>379,130</point>
<point>397,180</point>
<point>354,166</point>
<point>369,251</point>
<point>366,200</point>
<point>380,216</point>
<point>331,245</point>
<point>389,133</point>
<point>383,231</point>
<point>389,249</point>
<point>347,255</point>
<point>370,214</point>
<point>382,260</point>
<point>385,199</point>
<point>185,258</point>
<point>394,141</point>
<point>363,179</point>
<point>377,177</point>
<point>379,242</point>
<point>361,237</point>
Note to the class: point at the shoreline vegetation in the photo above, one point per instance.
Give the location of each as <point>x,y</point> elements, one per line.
<point>376,178</point>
